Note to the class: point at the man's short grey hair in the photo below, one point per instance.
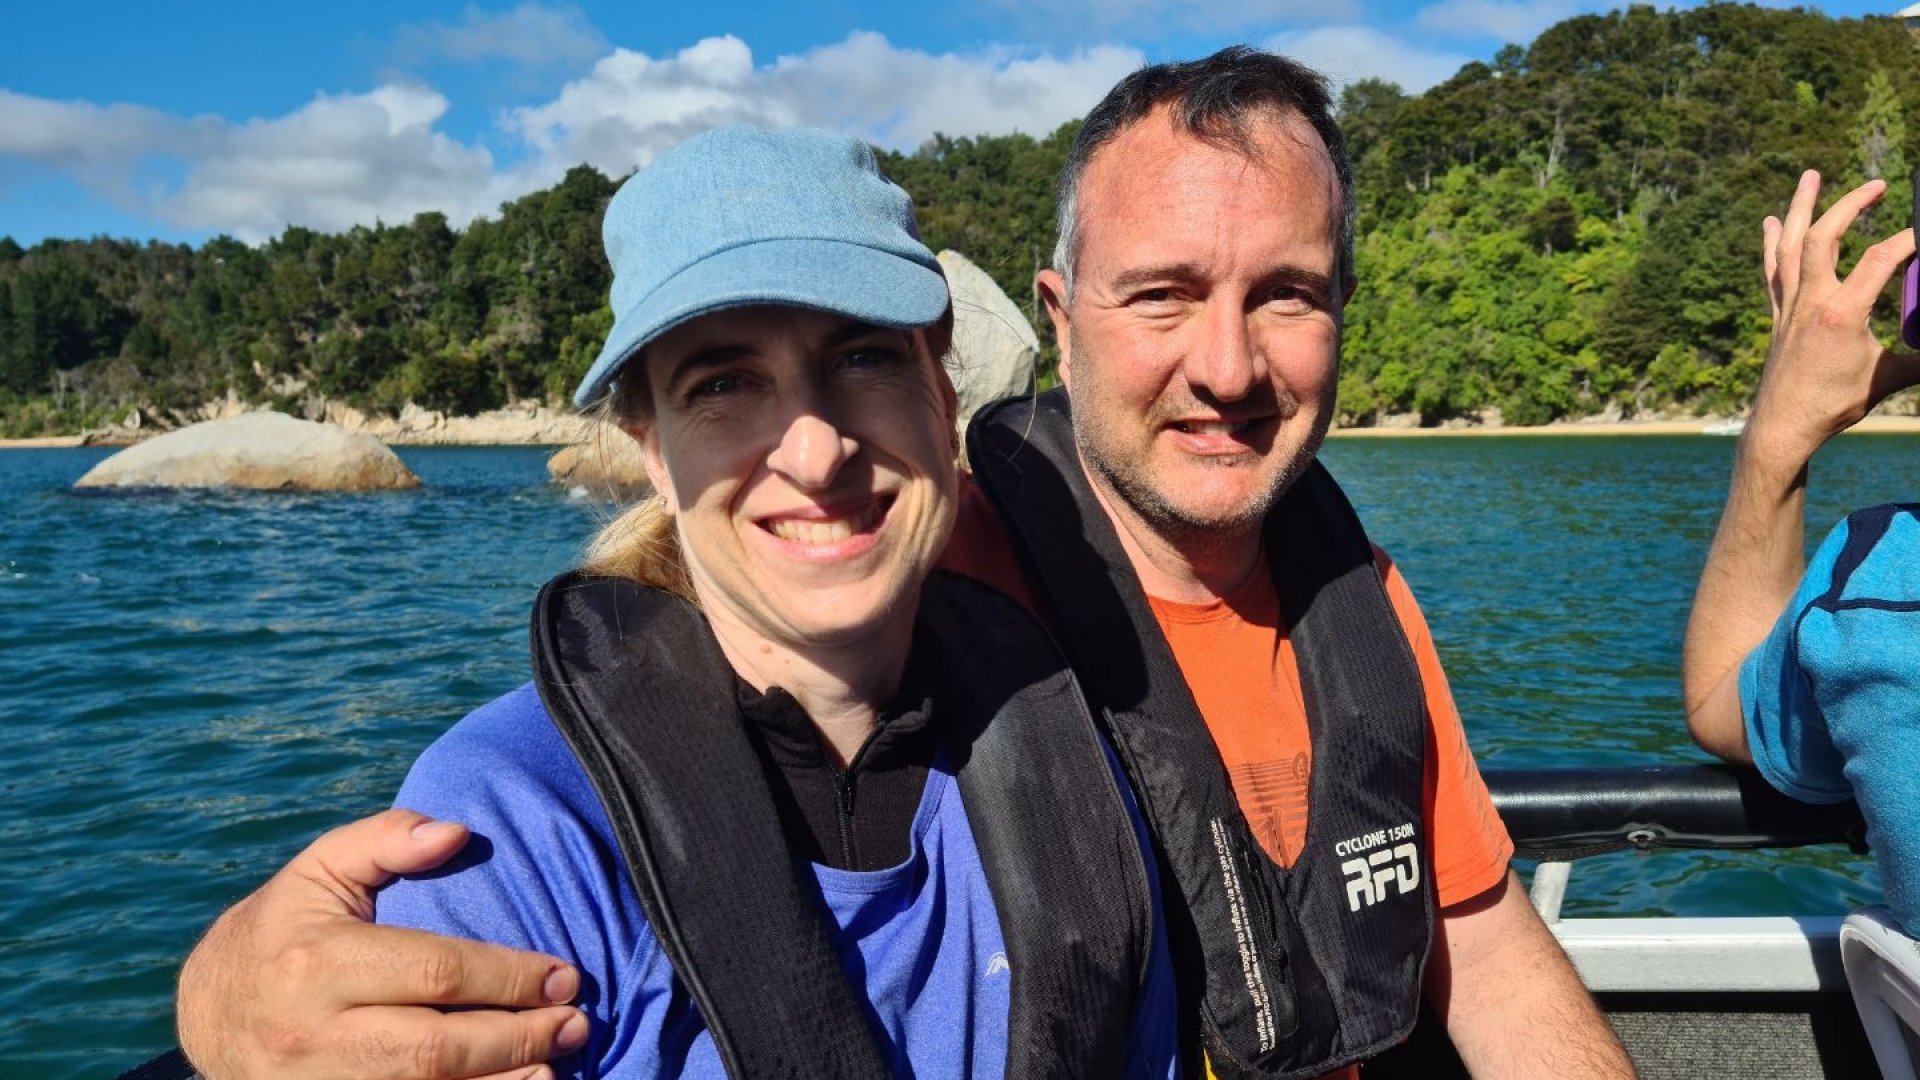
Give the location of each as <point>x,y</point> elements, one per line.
<point>1217,100</point>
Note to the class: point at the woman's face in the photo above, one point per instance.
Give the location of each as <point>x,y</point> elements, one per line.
<point>808,459</point>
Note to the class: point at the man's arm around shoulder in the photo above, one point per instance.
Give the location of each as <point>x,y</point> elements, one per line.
<point>293,982</point>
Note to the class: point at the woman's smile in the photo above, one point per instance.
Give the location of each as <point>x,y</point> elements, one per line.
<point>839,532</point>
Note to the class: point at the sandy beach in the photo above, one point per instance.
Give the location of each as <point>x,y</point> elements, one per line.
<point>1701,425</point>
<point>553,427</point>
<point>43,442</point>
<point>527,424</point>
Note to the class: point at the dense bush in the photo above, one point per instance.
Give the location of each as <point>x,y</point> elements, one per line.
<point>1572,227</point>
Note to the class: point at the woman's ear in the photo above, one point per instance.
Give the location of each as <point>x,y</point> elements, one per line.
<point>648,436</point>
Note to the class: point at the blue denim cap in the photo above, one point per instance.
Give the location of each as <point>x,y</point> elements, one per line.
<point>737,216</point>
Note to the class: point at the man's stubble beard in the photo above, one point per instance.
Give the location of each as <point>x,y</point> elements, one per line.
<point>1175,524</point>
<point>1131,481</point>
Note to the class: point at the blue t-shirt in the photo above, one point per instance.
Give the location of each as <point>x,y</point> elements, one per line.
<point>1831,698</point>
<point>544,872</point>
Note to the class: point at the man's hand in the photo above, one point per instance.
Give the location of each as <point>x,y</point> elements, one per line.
<point>1512,1002</point>
<point>295,982</point>
<point>1824,370</point>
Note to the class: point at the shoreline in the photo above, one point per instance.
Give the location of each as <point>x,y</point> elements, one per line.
<point>499,430</point>
<point>44,442</point>
<point>1699,425</point>
<point>528,424</point>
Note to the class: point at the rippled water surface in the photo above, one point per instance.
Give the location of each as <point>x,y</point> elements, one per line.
<point>191,686</point>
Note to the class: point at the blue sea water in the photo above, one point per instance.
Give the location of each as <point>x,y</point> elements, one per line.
<point>192,686</point>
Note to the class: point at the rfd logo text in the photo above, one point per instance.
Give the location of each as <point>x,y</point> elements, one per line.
<point>1384,862</point>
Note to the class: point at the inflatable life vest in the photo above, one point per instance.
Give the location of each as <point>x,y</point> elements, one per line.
<point>637,685</point>
<point>1283,972</point>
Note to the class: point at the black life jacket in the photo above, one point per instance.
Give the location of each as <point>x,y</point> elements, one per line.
<point>1283,972</point>
<point>636,683</point>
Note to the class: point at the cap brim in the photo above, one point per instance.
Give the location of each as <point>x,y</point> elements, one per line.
<point>853,280</point>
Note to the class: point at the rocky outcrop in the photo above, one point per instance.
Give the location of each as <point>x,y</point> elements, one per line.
<point>607,465</point>
<point>144,422</point>
<point>260,450</point>
<point>994,347</point>
<point>528,423</point>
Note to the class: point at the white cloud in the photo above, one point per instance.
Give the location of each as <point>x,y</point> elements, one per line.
<point>1349,53</point>
<point>632,106</point>
<point>347,159</point>
<point>1517,21</point>
<point>337,162</point>
<point>901,98</point>
<point>536,35</point>
<point>1081,20</point>
<point>78,134</point>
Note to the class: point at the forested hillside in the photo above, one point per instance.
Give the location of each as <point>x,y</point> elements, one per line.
<point>1570,229</point>
<point>1578,223</point>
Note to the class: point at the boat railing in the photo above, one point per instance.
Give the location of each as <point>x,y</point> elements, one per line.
<point>1571,813</point>
<point>1691,995</point>
<point>1557,816</point>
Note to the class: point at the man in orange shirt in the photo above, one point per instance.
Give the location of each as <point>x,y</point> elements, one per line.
<point>1205,259</point>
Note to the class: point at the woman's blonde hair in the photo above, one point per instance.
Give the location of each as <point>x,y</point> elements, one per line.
<point>641,544</point>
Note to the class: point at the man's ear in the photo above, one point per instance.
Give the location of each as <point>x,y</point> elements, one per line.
<point>648,436</point>
<point>1052,288</point>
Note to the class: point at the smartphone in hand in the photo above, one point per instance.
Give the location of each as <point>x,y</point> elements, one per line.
<point>1910,296</point>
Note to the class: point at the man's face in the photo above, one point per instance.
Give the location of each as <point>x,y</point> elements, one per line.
<point>1201,340</point>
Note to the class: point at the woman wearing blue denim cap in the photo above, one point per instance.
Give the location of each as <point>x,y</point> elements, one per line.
<point>795,801</point>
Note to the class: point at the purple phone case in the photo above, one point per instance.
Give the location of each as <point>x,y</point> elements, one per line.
<point>1910,306</point>
<point>1910,297</point>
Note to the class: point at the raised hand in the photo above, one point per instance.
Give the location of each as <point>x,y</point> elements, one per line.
<point>1825,368</point>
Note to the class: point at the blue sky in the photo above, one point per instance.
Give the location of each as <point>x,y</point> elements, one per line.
<point>183,121</point>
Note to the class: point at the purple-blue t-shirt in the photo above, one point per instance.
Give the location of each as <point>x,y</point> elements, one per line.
<point>543,872</point>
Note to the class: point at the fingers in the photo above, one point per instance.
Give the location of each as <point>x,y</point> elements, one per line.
<point>391,965</point>
<point>1793,232</point>
<point>1877,267</point>
<point>1770,263</point>
<point>425,1044</point>
<point>295,977</point>
<point>362,856</point>
<point>1821,252</point>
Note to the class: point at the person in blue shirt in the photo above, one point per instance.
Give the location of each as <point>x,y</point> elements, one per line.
<point>750,710</point>
<point>1811,670</point>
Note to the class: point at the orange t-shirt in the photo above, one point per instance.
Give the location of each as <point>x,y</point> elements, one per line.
<point>1239,665</point>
